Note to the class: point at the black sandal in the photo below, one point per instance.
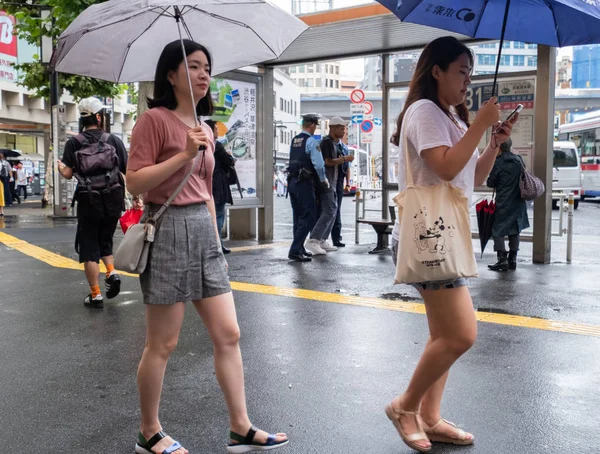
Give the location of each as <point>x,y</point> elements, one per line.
<point>144,446</point>
<point>247,443</point>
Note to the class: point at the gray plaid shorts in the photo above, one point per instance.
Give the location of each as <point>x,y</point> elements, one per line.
<point>185,262</point>
<point>434,285</point>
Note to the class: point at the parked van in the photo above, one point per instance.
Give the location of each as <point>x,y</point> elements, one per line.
<point>566,175</point>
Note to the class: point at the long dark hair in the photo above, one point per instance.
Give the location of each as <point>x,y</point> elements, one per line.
<point>440,52</point>
<point>170,59</point>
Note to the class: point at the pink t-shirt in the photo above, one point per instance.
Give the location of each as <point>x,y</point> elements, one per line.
<point>158,136</point>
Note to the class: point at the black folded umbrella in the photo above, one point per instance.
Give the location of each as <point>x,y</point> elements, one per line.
<point>486,213</point>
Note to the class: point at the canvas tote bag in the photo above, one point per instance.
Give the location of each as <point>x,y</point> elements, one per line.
<point>435,231</point>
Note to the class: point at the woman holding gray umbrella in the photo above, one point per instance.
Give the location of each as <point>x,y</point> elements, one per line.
<point>186,262</point>
<point>511,210</point>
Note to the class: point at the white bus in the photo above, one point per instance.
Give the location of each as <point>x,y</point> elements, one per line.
<point>585,134</point>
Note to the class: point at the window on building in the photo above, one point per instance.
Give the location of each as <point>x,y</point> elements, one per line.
<point>486,59</point>
<point>331,71</point>
<point>532,46</point>
<point>519,60</point>
<point>488,46</point>
<point>302,68</point>
<point>296,108</point>
<point>337,84</point>
<point>281,101</point>
<point>326,69</point>
<point>505,60</point>
<point>519,45</point>
<point>311,68</point>
<point>301,82</point>
<point>310,82</point>
<point>532,61</point>
<point>506,45</point>
<point>293,69</point>
<point>337,70</point>
<point>281,138</point>
<point>330,83</point>
<point>318,83</point>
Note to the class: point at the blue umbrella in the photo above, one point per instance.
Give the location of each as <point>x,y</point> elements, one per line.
<point>555,23</point>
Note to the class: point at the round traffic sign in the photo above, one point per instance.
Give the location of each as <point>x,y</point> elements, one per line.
<point>366,126</point>
<point>357,96</point>
<point>368,108</point>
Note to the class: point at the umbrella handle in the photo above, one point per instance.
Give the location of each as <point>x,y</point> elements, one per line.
<point>178,19</point>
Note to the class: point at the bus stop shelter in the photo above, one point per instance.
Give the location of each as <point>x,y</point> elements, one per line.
<point>371,30</point>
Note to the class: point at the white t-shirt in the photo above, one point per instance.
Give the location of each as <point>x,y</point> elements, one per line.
<point>427,126</point>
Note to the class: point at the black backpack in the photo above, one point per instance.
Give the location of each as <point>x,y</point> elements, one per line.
<point>100,188</point>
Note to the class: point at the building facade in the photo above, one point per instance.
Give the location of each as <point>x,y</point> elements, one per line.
<point>516,56</point>
<point>286,115</point>
<point>586,67</point>
<point>317,77</point>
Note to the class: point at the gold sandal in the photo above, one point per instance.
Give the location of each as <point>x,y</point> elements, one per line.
<point>460,440</point>
<point>409,440</point>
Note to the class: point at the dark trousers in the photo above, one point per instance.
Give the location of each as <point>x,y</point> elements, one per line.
<point>513,243</point>
<point>336,232</point>
<point>302,196</point>
<point>24,189</point>
<point>7,191</point>
<point>220,212</point>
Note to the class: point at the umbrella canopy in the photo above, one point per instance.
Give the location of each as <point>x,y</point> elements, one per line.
<point>486,213</point>
<point>556,23</point>
<point>121,41</point>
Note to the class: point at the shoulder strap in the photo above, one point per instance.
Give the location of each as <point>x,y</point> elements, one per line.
<point>104,137</point>
<point>160,212</point>
<point>81,139</point>
<point>407,164</point>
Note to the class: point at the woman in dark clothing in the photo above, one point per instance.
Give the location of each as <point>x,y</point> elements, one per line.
<point>221,190</point>
<point>511,209</point>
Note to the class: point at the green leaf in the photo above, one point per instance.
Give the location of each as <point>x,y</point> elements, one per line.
<point>34,76</point>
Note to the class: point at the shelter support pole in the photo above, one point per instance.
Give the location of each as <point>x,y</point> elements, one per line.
<point>385,152</point>
<point>543,152</point>
<point>266,213</point>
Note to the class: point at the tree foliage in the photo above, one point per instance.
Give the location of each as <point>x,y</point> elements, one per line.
<point>34,76</point>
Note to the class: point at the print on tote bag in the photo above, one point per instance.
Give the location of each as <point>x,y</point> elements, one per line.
<point>432,236</point>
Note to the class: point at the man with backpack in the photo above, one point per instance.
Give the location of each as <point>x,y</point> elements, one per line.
<point>98,161</point>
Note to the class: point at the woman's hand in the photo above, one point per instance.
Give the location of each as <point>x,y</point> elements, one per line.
<point>196,138</point>
<point>489,113</point>
<point>504,130</point>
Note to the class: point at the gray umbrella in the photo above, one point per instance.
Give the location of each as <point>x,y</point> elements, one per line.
<point>121,41</point>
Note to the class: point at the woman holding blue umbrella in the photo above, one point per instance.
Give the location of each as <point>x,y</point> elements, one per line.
<point>442,146</point>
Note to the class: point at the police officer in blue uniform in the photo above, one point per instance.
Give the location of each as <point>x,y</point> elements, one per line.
<point>306,170</point>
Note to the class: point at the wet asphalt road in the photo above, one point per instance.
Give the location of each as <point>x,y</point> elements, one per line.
<point>319,371</point>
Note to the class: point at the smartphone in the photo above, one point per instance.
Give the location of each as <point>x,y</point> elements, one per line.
<point>514,112</point>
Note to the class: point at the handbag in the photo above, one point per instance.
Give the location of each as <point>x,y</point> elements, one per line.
<point>435,232</point>
<point>132,254</point>
<point>531,187</point>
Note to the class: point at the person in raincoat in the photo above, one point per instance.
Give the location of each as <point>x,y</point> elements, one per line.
<point>511,210</point>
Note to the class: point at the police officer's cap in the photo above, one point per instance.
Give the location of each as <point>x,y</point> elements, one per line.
<point>311,118</point>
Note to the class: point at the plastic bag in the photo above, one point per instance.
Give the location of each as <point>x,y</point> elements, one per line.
<point>131,217</point>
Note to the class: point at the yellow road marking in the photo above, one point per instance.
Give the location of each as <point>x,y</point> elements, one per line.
<point>581,329</point>
<point>261,246</point>
<point>52,259</point>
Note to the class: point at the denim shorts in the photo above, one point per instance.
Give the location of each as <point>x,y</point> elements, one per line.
<point>432,285</point>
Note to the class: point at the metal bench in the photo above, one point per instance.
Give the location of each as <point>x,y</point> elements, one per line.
<point>382,227</point>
